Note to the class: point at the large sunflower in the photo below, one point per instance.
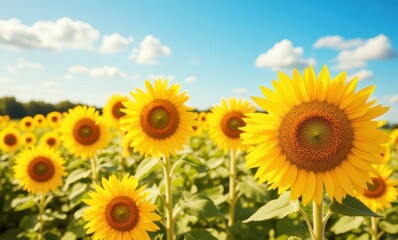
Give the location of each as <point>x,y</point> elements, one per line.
<point>54,118</point>
<point>381,192</point>
<point>40,120</point>
<point>39,169</point>
<point>157,122</point>
<point>27,124</point>
<point>118,210</point>
<point>318,132</point>
<point>10,139</point>
<point>224,122</point>
<point>83,133</point>
<point>112,110</point>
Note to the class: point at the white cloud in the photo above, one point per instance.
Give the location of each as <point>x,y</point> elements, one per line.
<point>283,55</point>
<point>376,48</point>
<point>149,50</point>
<point>239,90</point>
<point>56,35</point>
<point>115,43</point>
<point>5,80</point>
<point>391,99</point>
<point>191,79</point>
<point>51,84</point>
<point>23,64</point>
<point>134,77</point>
<point>169,77</point>
<point>99,72</point>
<point>337,42</point>
<point>363,74</point>
<point>67,77</point>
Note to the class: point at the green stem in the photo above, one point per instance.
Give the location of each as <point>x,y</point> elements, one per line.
<point>232,188</point>
<point>42,208</point>
<point>318,220</point>
<point>374,229</point>
<point>307,221</point>
<point>169,200</point>
<point>93,171</point>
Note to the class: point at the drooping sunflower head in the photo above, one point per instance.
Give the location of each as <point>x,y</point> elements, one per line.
<point>157,121</point>
<point>10,139</point>
<point>54,119</point>
<point>225,121</point>
<point>118,210</point>
<point>83,133</point>
<point>29,139</point>
<point>381,191</point>
<point>27,124</point>
<point>51,139</point>
<point>39,169</point>
<point>318,133</point>
<point>40,120</point>
<point>112,111</point>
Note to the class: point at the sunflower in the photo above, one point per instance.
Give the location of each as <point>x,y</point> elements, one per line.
<point>27,124</point>
<point>83,133</point>
<point>51,139</point>
<point>54,118</point>
<point>40,120</point>
<point>9,139</point>
<point>318,132</point>
<point>202,120</point>
<point>224,123</point>
<point>118,210</point>
<point>39,169</point>
<point>112,110</point>
<point>157,122</point>
<point>29,139</point>
<point>381,192</point>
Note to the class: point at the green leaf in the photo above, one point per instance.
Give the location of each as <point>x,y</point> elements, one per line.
<point>145,167</point>
<point>278,208</point>
<point>346,224</point>
<point>74,176</point>
<point>23,203</point>
<point>68,236</point>
<point>252,190</point>
<point>199,234</point>
<point>29,222</point>
<point>199,205</point>
<point>77,191</point>
<point>389,227</point>
<point>351,206</point>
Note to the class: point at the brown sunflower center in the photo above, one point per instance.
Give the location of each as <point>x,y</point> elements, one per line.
<point>51,142</point>
<point>41,169</point>
<point>376,189</point>
<point>231,122</point>
<point>28,139</point>
<point>121,213</point>
<point>10,139</point>
<point>159,119</point>
<point>116,110</point>
<point>28,124</point>
<point>316,136</point>
<point>39,120</point>
<point>86,132</point>
<point>54,118</point>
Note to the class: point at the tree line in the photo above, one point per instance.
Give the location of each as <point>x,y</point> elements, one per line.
<point>15,109</point>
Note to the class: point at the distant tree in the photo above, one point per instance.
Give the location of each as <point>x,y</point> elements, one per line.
<point>11,107</point>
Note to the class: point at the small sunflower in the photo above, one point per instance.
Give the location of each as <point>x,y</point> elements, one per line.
<point>157,122</point>
<point>27,124</point>
<point>224,123</point>
<point>318,132</point>
<point>10,139</point>
<point>118,210</point>
<point>54,118</point>
<point>112,110</point>
<point>51,139</point>
<point>29,139</point>
<point>381,192</point>
<point>83,133</point>
<point>39,169</point>
<point>40,120</point>
<point>202,119</point>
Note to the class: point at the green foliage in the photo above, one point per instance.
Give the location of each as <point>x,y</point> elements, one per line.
<point>351,206</point>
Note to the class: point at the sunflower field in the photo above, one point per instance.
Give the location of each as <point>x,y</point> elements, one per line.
<point>311,159</point>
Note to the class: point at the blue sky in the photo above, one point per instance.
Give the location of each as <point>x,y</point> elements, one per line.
<point>87,50</point>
